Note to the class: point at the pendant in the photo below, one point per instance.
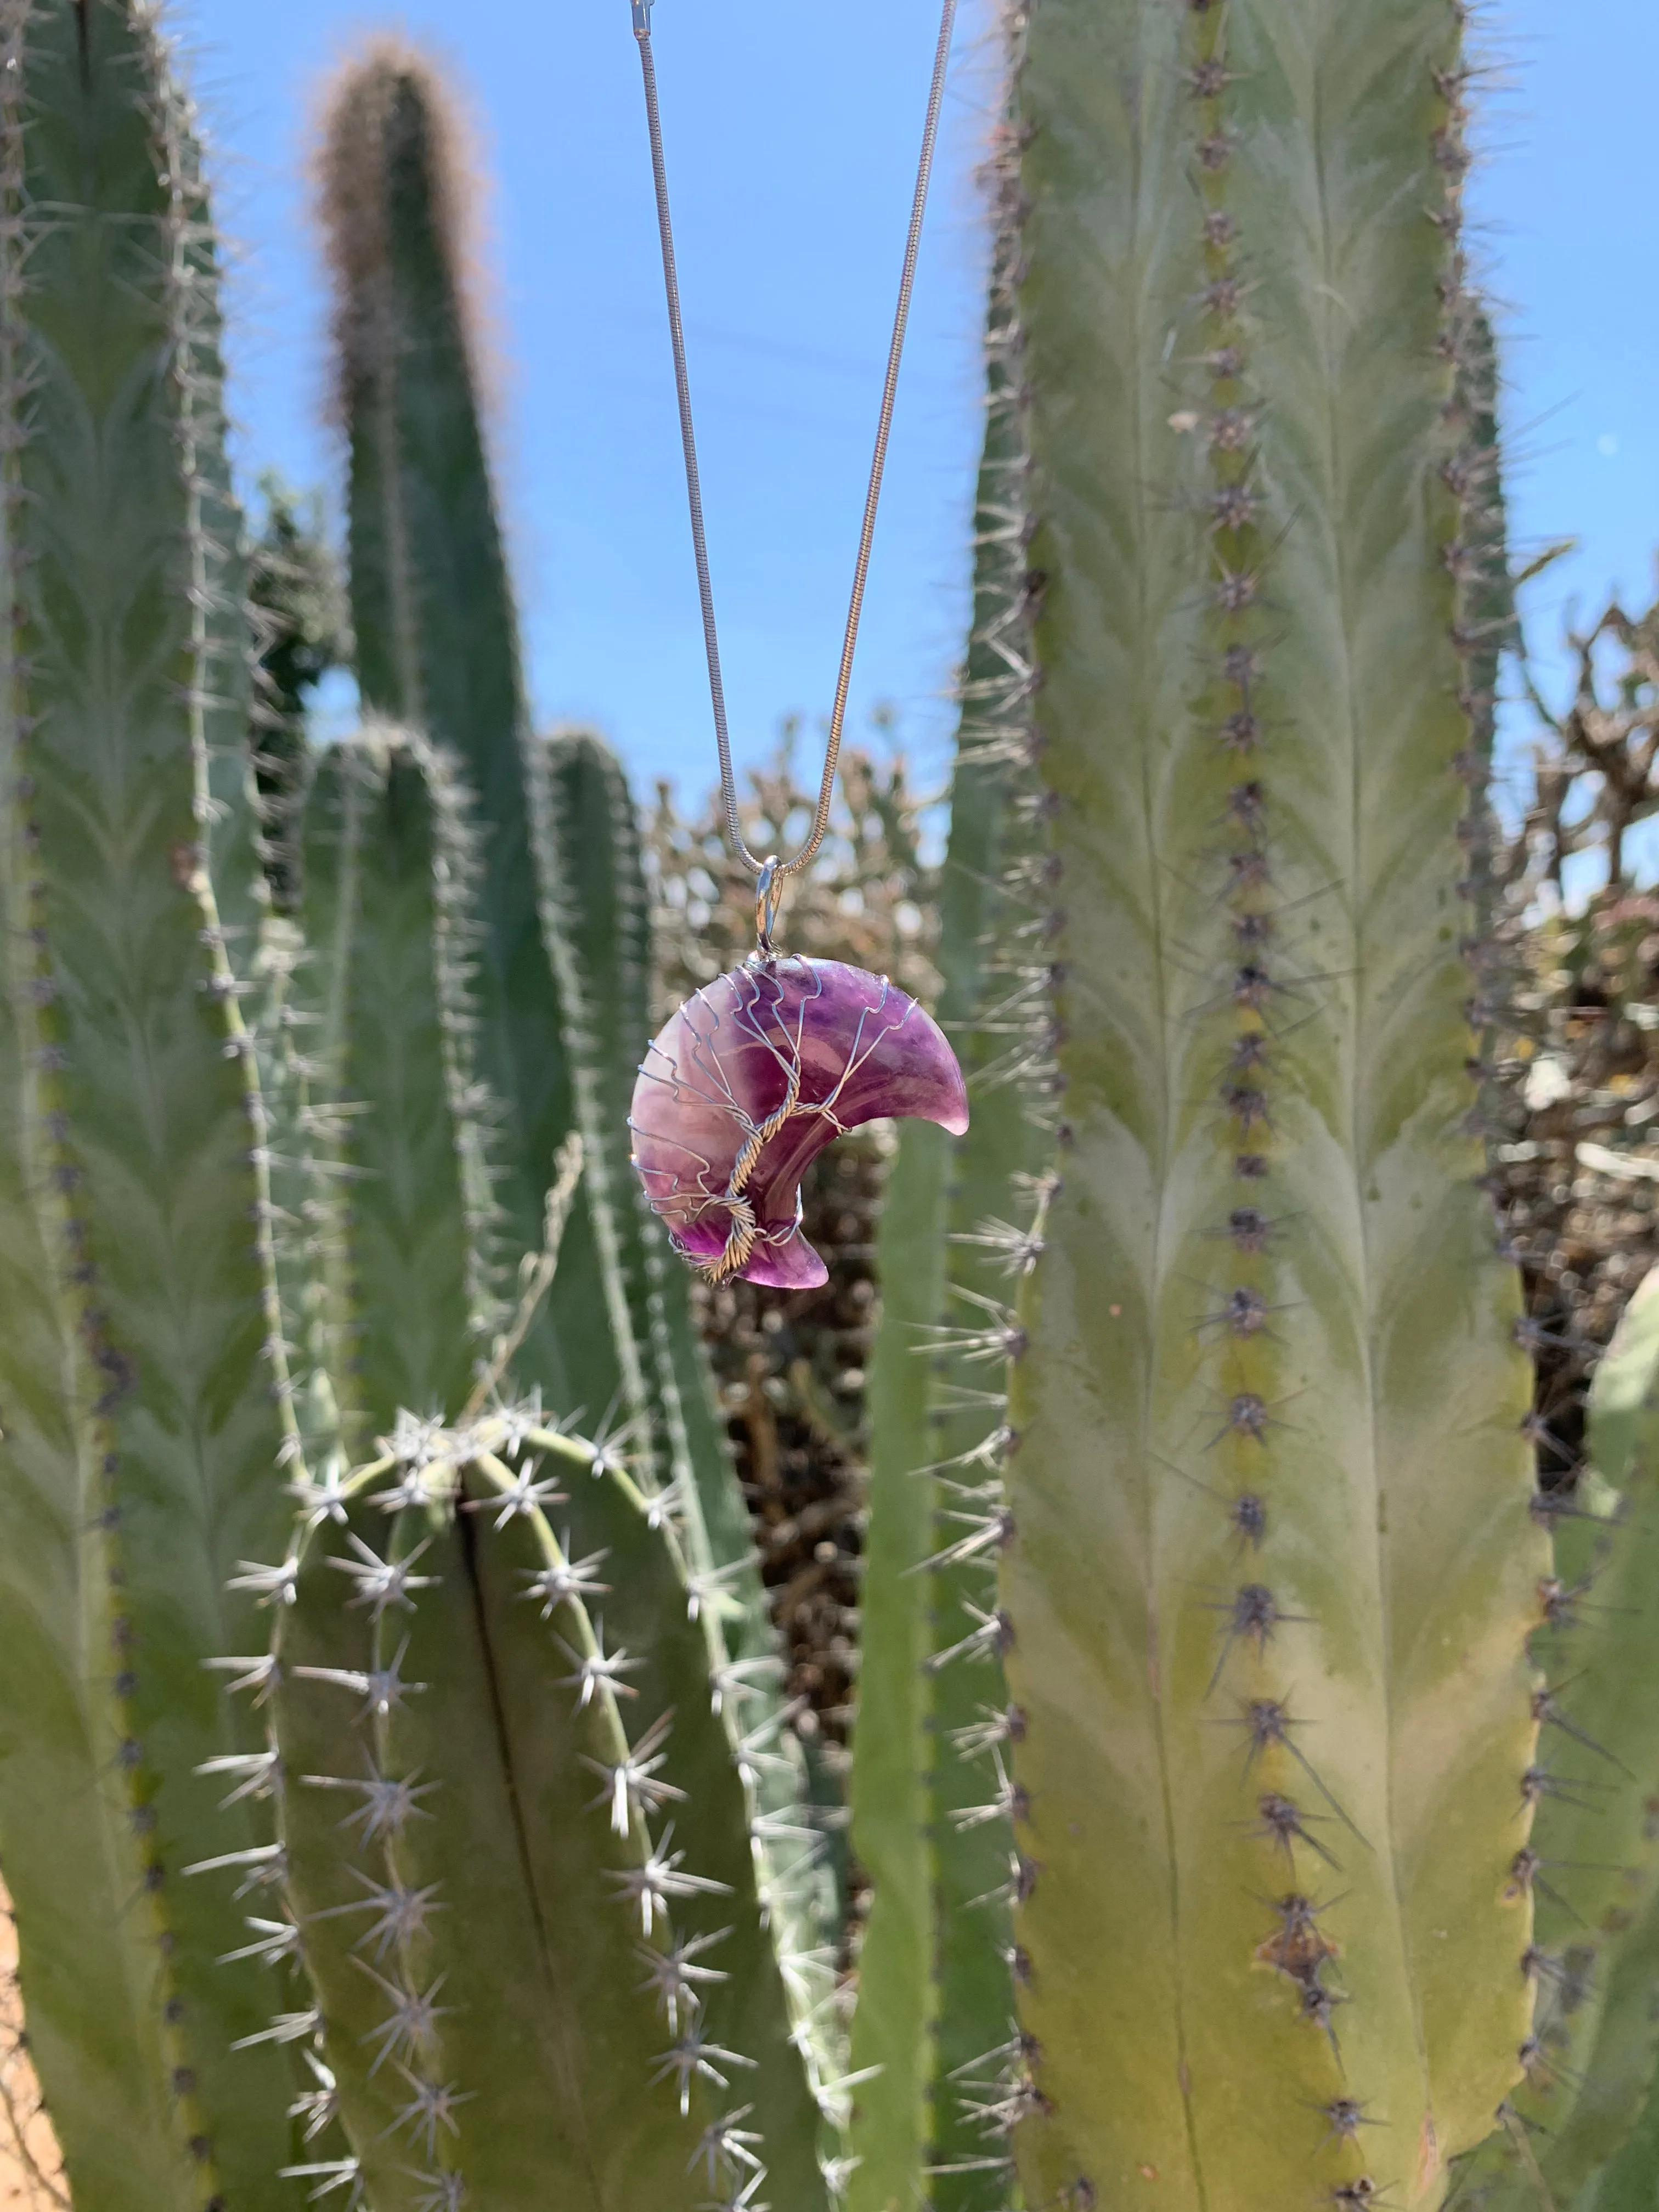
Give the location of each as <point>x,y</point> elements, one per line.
<point>750,1081</point>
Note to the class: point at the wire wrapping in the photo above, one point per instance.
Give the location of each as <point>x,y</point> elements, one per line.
<point>781,870</point>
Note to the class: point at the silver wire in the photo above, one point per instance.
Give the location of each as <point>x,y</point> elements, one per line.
<point>780,870</point>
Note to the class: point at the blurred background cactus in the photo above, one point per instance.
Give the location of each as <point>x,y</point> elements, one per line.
<point>1576,1158</point>
<point>1134,1684</point>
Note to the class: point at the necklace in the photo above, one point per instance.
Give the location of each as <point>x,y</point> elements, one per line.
<point>753,1076</point>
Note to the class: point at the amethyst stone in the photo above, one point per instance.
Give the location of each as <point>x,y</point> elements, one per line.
<point>749,1082</point>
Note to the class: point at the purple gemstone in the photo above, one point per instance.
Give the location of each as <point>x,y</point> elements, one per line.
<point>749,1082</point>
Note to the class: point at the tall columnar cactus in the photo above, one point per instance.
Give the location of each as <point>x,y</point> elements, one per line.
<point>437,647</point>
<point>932,1810</point>
<point>142,1432</point>
<point>1271,1567</point>
<point>596,925</point>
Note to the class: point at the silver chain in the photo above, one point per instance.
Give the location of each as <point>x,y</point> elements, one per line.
<point>773,872</point>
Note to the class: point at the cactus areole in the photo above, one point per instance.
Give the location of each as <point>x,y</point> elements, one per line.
<point>749,1080</point>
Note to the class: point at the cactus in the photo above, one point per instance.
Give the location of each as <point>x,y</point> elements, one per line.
<point>1258,1808</point>
<point>139,1457</point>
<point>1274,1566</point>
<point>1268,1568</point>
<point>596,922</point>
<point>413,1696</point>
<point>173,1230</point>
<point>1592,1860</point>
<point>435,627</point>
<point>437,647</point>
<point>390,870</point>
<point>931,1820</point>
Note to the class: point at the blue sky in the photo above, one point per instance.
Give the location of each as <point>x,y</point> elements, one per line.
<point>791,132</point>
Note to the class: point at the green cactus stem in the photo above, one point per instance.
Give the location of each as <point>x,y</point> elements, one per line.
<point>897,2010</point>
<point>596,921</point>
<point>435,626</point>
<point>1270,1567</point>
<point>933,1817</point>
<point>307,1176</point>
<point>517,1845</point>
<point>596,924</point>
<point>143,1407</point>
<point>717,1728</point>
<point>391,870</point>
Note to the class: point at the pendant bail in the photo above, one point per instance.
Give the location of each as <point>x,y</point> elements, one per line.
<point>768,897</point>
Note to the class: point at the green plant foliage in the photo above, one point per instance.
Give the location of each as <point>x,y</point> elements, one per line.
<point>297,602</point>
<point>932,1810</point>
<point>540,1957</point>
<point>172,1232</point>
<point>142,1436</point>
<point>436,630</point>
<point>562,956</point>
<point>597,922</point>
<point>1255,1772</point>
<point>1271,1566</point>
<point>1592,1859</point>
<point>892,1814</point>
<point>391,869</point>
